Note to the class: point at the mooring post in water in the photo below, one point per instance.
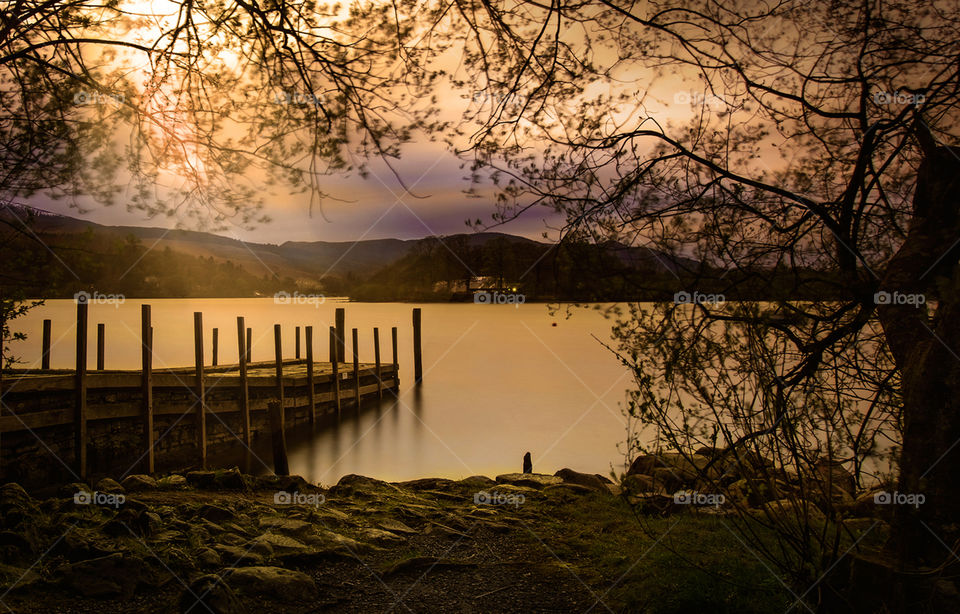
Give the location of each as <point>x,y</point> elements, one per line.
<point>296,342</point>
<point>45,356</point>
<point>417,359</point>
<point>341,320</point>
<point>278,351</point>
<point>335,365</point>
<point>311,393</point>
<point>200,390</point>
<point>101,334</point>
<point>244,392</point>
<point>376,360</point>
<point>249,345</point>
<point>396,364</point>
<point>216,347</point>
<point>356,370</point>
<point>80,413</point>
<point>279,438</point>
<point>146,407</point>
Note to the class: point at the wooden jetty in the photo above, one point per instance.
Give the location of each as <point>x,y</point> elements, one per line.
<point>138,414</point>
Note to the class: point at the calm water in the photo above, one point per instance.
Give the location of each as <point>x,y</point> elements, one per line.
<point>499,380</point>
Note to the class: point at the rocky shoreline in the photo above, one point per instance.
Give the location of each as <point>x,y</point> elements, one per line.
<point>225,542</point>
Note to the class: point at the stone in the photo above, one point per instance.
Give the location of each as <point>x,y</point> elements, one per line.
<point>834,474</point>
<point>795,509</point>
<point>379,536</point>
<point>477,481</point>
<point>208,557</point>
<point>591,481</point>
<point>139,482</point>
<point>279,544</point>
<point>530,480</point>
<point>395,526</point>
<point>215,513</point>
<point>276,582</point>
<point>235,555</point>
<point>172,482</point>
<point>527,463</point>
<point>111,486</point>
<point>209,594</point>
<point>638,483</point>
<point>427,484</point>
<point>289,526</point>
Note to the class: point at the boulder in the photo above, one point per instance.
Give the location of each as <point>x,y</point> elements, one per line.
<point>215,513</point>
<point>111,575</point>
<point>275,582</point>
<point>208,557</point>
<point>427,484</point>
<point>209,594</point>
<point>111,486</point>
<point>278,544</point>
<point>221,479</point>
<point>395,526</point>
<point>477,481</point>
<point>795,509</point>
<point>138,482</point>
<point>589,480</point>
<point>172,482</point>
<point>834,474</point>
<point>638,483</point>
<point>236,555</point>
<point>530,480</point>
<point>287,526</point>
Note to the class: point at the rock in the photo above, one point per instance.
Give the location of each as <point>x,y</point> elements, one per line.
<point>172,482</point>
<point>221,479</point>
<point>231,539</point>
<point>794,509</point>
<point>138,482</point>
<point>215,513</point>
<point>235,555</point>
<point>614,489</point>
<point>15,578</point>
<point>395,526</point>
<point>865,504</point>
<point>752,493</point>
<point>111,486</point>
<point>114,574</point>
<point>67,491</point>
<point>279,544</point>
<point>332,540</point>
<point>638,483</point>
<point>379,536</point>
<point>834,474</point>
<point>653,503</point>
<point>591,481</point>
<point>644,464</point>
<point>209,594</point>
<point>276,582</point>
<point>710,452</point>
<point>527,463</point>
<point>477,481</point>
<point>672,479</point>
<point>530,480</point>
<point>208,557</point>
<point>289,526</point>
<point>427,484</point>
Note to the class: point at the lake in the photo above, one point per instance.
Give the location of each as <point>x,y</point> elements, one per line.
<point>499,380</point>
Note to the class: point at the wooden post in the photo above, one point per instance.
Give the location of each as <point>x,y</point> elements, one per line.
<point>279,438</point>
<point>376,359</point>
<point>146,408</point>
<point>249,345</point>
<point>200,390</point>
<point>296,343</point>
<point>216,343</point>
<point>341,318</point>
<point>356,370</point>
<point>101,334</point>
<point>80,414</point>
<point>335,365</point>
<point>396,364</point>
<point>311,393</point>
<point>244,392</point>
<point>417,359</point>
<point>45,357</point>
<point>278,349</point>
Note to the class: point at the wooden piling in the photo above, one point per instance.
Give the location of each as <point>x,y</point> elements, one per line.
<point>45,356</point>
<point>356,370</point>
<point>201,420</point>
<point>101,334</point>
<point>80,413</point>
<point>216,343</point>
<point>243,355</point>
<point>146,407</point>
<point>335,365</point>
<point>278,351</point>
<point>296,343</point>
<point>396,364</point>
<point>417,358</point>
<point>311,392</point>
<point>341,319</point>
<point>279,438</point>
<point>376,360</point>
<point>249,345</point>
